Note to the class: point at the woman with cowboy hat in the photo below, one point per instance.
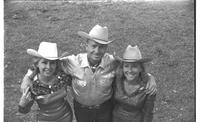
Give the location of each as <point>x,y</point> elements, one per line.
<point>132,104</point>
<point>49,86</point>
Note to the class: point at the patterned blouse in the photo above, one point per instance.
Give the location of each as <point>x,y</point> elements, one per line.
<point>51,111</point>
<point>39,88</point>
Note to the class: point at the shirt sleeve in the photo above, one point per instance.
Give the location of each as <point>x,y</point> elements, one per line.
<point>148,108</point>
<point>25,109</point>
<point>70,65</point>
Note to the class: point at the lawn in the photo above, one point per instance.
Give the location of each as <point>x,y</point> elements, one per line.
<point>162,30</point>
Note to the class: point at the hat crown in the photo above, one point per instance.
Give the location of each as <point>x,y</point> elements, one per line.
<point>132,53</point>
<point>98,32</point>
<point>48,50</point>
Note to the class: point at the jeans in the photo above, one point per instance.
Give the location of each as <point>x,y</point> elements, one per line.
<point>103,113</point>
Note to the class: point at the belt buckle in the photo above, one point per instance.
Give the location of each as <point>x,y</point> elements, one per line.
<point>94,107</point>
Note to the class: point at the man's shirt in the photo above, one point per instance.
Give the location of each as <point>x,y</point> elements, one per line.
<point>90,88</point>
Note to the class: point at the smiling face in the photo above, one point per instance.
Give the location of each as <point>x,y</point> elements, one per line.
<point>95,51</point>
<point>131,70</point>
<point>46,67</point>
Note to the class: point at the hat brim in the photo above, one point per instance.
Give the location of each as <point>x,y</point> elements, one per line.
<point>86,35</point>
<point>143,60</point>
<point>33,52</point>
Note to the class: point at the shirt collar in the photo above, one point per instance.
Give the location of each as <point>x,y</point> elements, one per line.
<point>85,63</point>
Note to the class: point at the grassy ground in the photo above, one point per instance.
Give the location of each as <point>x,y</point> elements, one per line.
<point>163,30</point>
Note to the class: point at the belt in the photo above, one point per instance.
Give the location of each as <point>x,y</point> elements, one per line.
<point>98,106</point>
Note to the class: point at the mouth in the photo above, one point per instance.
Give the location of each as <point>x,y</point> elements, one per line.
<point>131,75</point>
<point>47,71</point>
<point>97,56</point>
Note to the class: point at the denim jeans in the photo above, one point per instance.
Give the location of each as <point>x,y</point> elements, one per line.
<point>103,113</point>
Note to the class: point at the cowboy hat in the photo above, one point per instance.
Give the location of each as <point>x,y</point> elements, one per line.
<point>97,33</point>
<point>133,54</point>
<point>46,50</point>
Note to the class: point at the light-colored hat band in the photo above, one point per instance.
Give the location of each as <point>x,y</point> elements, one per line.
<point>144,60</point>
<point>100,39</point>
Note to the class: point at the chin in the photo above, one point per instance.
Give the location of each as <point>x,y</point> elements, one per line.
<point>129,79</point>
<point>97,59</point>
<point>48,75</point>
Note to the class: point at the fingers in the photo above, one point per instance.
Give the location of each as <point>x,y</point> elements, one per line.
<point>26,90</point>
<point>147,86</point>
<point>152,91</point>
<point>28,96</point>
<point>39,97</point>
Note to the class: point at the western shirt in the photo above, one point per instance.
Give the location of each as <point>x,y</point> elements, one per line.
<point>90,88</point>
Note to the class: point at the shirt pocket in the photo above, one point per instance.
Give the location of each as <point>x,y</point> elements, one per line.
<point>81,83</point>
<point>80,86</point>
<point>106,80</point>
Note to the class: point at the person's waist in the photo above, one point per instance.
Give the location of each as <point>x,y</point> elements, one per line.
<point>92,100</point>
<point>53,114</point>
<point>53,105</point>
<point>96,106</point>
<point>128,108</point>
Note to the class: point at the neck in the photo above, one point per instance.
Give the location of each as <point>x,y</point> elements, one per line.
<point>134,81</point>
<point>45,79</point>
<point>93,63</point>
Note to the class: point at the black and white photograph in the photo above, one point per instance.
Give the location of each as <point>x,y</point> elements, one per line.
<point>99,61</point>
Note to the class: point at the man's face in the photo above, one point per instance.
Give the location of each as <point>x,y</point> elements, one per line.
<point>95,51</point>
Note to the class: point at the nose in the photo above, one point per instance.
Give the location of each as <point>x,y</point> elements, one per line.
<point>129,69</point>
<point>134,69</point>
<point>97,50</point>
<point>48,65</point>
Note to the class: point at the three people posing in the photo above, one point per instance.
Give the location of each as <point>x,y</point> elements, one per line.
<point>93,77</point>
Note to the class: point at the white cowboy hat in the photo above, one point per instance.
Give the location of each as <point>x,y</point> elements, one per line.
<point>97,33</point>
<point>133,54</point>
<point>46,50</point>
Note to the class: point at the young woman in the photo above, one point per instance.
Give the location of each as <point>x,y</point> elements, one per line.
<point>132,103</point>
<point>48,88</point>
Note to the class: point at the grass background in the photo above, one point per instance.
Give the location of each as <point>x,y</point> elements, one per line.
<point>162,30</point>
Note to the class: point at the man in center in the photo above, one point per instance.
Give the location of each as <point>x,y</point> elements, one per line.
<point>93,76</point>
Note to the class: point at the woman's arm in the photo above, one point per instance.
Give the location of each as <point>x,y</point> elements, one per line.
<point>148,108</point>
<point>45,99</point>
<point>25,102</point>
<point>151,85</point>
<point>27,80</point>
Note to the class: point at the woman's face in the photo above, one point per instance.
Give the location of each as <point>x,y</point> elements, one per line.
<point>131,70</point>
<point>46,67</point>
